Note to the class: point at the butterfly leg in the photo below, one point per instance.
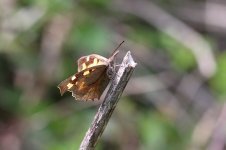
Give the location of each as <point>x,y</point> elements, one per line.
<point>112,70</point>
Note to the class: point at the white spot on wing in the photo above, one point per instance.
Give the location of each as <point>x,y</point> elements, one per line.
<point>73,78</point>
<point>69,85</point>
<point>86,72</point>
<point>95,61</point>
<point>87,58</point>
<point>83,66</point>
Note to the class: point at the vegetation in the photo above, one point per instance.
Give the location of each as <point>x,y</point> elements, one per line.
<point>175,99</point>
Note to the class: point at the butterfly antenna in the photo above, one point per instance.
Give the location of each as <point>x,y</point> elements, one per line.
<point>115,51</point>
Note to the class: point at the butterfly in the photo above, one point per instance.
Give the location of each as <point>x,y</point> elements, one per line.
<point>93,76</point>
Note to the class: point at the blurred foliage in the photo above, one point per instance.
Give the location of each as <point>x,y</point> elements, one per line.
<point>218,82</point>
<point>164,107</point>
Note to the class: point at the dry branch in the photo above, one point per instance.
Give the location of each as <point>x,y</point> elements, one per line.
<point>107,107</point>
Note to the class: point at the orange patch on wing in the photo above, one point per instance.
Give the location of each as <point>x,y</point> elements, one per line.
<point>81,86</point>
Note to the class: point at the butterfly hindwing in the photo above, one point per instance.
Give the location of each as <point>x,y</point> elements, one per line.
<point>86,83</point>
<point>92,91</point>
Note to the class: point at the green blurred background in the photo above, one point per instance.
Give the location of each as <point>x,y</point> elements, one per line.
<point>175,99</point>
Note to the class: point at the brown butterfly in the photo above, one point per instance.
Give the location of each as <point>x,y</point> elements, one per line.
<point>94,74</point>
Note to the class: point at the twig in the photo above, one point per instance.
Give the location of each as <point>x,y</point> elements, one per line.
<point>107,107</point>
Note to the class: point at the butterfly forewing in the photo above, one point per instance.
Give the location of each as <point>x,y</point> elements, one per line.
<point>91,61</point>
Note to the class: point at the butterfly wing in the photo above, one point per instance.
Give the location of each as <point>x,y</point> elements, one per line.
<point>91,61</point>
<point>91,90</point>
<point>87,84</point>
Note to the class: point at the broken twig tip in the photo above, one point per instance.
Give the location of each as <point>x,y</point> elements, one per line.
<point>129,60</point>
